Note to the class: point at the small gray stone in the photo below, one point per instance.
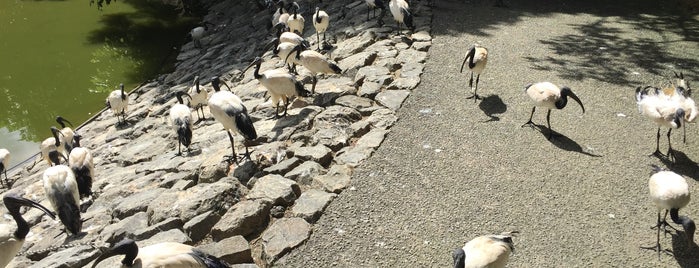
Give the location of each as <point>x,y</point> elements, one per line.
<point>243,218</point>
<point>351,64</point>
<point>336,116</point>
<point>170,223</point>
<point>273,187</point>
<point>124,228</point>
<point>305,172</point>
<point>383,118</point>
<point>422,46</point>
<point>284,166</point>
<point>351,156</point>
<point>172,235</point>
<point>198,227</point>
<point>421,36</point>
<point>376,74</point>
<point>358,103</point>
<point>392,99</point>
<point>334,138</point>
<point>369,89</point>
<point>277,211</point>
<point>318,153</point>
<point>284,235</point>
<point>134,203</point>
<point>337,179</point>
<point>213,168</point>
<point>311,204</point>
<point>411,55</point>
<point>232,250</point>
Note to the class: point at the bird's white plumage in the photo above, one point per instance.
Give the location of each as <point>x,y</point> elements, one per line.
<point>296,23</point>
<point>321,26</point>
<point>5,157</point>
<point>198,33</point>
<point>371,3</point>
<point>47,146</point>
<point>660,109</point>
<point>66,140</point>
<point>198,98</point>
<point>291,38</point>
<point>284,50</point>
<point>220,102</point>
<point>668,190</point>
<point>396,7</point>
<point>487,251</point>
<point>118,105</point>
<point>544,94</point>
<point>480,58</point>
<point>682,99</point>
<point>315,62</point>
<point>60,178</point>
<point>180,115</point>
<point>280,84</point>
<point>9,244</point>
<point>81,157</point>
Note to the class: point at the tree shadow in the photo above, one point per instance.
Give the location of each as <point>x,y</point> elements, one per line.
<point>151,36</point>
<point>685,254</point>
<point>491,106</point>
<point>562,141</point>
<point>682,165</point>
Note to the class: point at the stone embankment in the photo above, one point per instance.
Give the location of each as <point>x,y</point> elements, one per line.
<point>252,213</point>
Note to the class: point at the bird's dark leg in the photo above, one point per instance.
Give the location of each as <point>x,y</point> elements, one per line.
<point>470,81</point>
<point>530,123</point>
<point>548,123</point>
<point>657,241</point>
<point>233,157</point>
<point>657,145</point>
<point>203,116</point>
<point>276,110</point>
<point>475,91</point>
<point>318,38</point>
<point>313,88</point>
<point>179,148</point>
<point>286,106</point>
<point>670,151</point>
<point>684,133</point>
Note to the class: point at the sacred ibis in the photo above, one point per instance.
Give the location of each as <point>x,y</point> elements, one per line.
<point>166,254</point>
<point>118,102</point>
<point>228,109</point>
<point>477,58</point>
<point>181,119</point>
<point>11,242</point>
<point>66,138</point>
<point>295,21</point>
<point>684,97</point>
<point>321,20</point>
<point>373,5</point>
<point>4,163</point>
<point>664,111</point>
<point>669,191</point>
<point>485,251</point>
<point>61,190</point>
<point>281,85</point>
<point>198,33</point>
<point>285,36</point>
<point>81,162</point>
<point>549,96</point>
<point>198,98</point>
<point>401,14</point>
<point>49,148</point>
<point>282,50</point>
<point>315,63</point>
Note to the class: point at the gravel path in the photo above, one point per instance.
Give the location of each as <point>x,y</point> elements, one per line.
<point>452,169</point>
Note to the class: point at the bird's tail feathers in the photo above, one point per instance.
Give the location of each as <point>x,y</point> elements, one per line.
<point>244,124</point>
<point>408,19</point>
<point>208,260</point>
<point>184,135</point>
<point>335,68</point>
<point>300,90</point>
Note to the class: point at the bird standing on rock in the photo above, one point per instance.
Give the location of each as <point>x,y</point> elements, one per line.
<point>315,63</point>
<point>61,190</point>
<point>477,58</point>
<point>81,162</point>
<point>11,242</point>
<point>66,137</point>
<point>118,102</point>
<point>401,14</point>
<point>491,251</point>
<point>198,99</point>
<point>669,191</point>
<point>49,148</point>
<point>280,84</point>
<point>549,96</point>
<point>181,119</point>
<point>228,109</point>
<point>321,20</point>
<point>373,5</point>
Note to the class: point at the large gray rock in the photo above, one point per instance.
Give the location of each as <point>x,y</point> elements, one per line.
<point>392,99</point>
<point>198,227</point>
<point>333,137</point>
<point>353,45</point>
<point>194,201</point>
<point>135,203</point>
<point>364,105</point>
<point>376,74</point>
<point>279,190</point>
<point>284,235</point>
<point>336,180</point>
<point>168,224</point>
<point>382,118</point>
<point>284,166</point>
<point>232,250</point>
<point>351,64</point>
<point>311,204</point>
<point>244,218</point>
<point>71,257</point>
<point>336,115</point>
<point>124,228</point>
<point>319,153</point>
<point>305,172</point>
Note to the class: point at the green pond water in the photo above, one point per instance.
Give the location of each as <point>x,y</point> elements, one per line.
<point>64,57</point>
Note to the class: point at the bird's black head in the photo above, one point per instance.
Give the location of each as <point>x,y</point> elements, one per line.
<point>216,83</point>
<point>13,202</point>
<point>272,44</point>
<point>179,95</point>
<point>459,256</point>
<point>567,92</point>
<point>61,121</point>
<point>55,132</point>
<point>76,140</point>
<point>126,247</point>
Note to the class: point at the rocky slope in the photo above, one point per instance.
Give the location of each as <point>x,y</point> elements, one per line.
<point>252,213</point>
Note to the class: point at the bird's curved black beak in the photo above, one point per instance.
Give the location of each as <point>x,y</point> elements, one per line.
<point>13,201</point>
<point>297,49</point>
<point>471,53</point>
<point>62,121</point>
<point>575,97</point>
<point>126,247</point>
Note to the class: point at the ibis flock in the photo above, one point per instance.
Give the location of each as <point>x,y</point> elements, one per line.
<point>68,180</point>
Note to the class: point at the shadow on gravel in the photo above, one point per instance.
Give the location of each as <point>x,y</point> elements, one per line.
<point>683,165</point>
<point>491,106</point>
<point>685,255</point>
<point>562,141</point>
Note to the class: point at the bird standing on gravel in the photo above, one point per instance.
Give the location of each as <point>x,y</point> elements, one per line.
<point>663,110</point>
<point>477,58</point>
<point>280,84</point>
<point>491,251</point>
<point>11,242</point>
<point>118,102</point>
<point>401,14</point>
<point>684,97</point>
<point>166,254</point>
<point>228,109</point>
<point>669,191</point>
<point>549,96</point>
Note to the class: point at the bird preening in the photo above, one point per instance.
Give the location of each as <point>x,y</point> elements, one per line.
<point>669,191</point>
<point>549,96</point>
<point>50,148</point>
<point>61,190</point>
<point>485,251</point>
<point>477,58</point>
<point>664,110</point>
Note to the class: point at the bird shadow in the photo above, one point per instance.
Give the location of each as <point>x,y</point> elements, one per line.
<point>686,255</point>
<point>682,165</point>
<point>562,141</point>
<point>491,106</point>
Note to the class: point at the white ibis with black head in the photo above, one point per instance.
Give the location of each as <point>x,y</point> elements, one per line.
<point>81,162</point>
<point>198,33</point>
<point>549,96</point>
<point>401,14</point>
<point>321,21</point>
<point>315,63</point>
<point>280,84</point>
<point>118,102</point>
<point>66,137</point>
<point>61,190</point>
<point>283,50</point>
<point>295,21</point>
<point>669,191</point>
<point>4,163</point>
<point>166,254</point>
<point>682,93</point>
<point>11,242</point>
<point>181,119</point>
<point>373,5</point>
<point>228,109</point>
<point>199,98</point>
<point>491,251</point>
<point>663,111</point>
<point>49,148</point>
<point>477,58</point>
